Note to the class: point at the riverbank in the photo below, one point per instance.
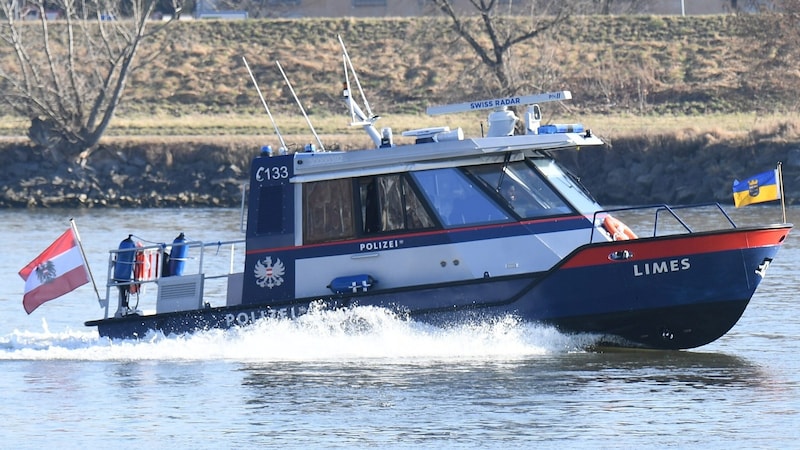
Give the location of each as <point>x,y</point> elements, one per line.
<point>629,75</point>
<point>693,167</point>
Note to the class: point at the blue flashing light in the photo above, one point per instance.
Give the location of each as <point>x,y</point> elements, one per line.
<point>561,128</point>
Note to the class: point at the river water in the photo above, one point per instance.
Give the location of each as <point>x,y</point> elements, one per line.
<point>363,378</point>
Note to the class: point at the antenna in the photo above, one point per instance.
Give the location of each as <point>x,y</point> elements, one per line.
<point>366,121</point>
<point>321,147</point>
<point>264,102</point>
<point>346,93</point>
<point>355,77</point>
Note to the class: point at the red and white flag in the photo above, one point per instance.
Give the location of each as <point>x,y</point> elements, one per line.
<point>58,270</point>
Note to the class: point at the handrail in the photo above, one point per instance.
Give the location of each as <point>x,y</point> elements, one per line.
<point>700,205</point>
<point>659,209</point>
<point>161,249</point>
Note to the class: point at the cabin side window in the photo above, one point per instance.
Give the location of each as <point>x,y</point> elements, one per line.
<point>388,203</point>
<point>328,211</point>
<point>523,190</point>
<point>456,200</point>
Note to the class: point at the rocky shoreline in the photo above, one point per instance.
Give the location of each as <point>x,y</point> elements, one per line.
<point>125,175</point>
<point>680,171</point>
<point>646,170</point>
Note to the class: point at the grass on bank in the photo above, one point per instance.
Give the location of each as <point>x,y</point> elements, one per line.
<point>336,133</point>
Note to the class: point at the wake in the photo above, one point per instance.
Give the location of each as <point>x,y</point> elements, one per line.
<point>359,333</point>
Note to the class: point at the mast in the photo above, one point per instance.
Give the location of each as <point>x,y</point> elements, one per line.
<point>366,121</point>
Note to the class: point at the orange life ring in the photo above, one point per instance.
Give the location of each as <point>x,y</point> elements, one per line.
<point>145,267</point>
<point>618,230</point>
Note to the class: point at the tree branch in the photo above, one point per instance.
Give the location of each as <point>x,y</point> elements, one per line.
<point>69,82</point>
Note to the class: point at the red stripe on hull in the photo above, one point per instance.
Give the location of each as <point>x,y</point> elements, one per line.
<point>680,245</point>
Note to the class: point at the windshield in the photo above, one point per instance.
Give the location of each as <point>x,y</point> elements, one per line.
<point>456,200</point>
<point>522,189</point>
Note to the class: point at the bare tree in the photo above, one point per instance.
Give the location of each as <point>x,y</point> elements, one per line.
<point>69,74</point>
<point>497,30</point>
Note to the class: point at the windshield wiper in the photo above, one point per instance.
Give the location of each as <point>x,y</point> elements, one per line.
<point>503,172</point>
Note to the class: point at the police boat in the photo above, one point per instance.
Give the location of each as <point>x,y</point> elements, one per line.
<point>448,228</point>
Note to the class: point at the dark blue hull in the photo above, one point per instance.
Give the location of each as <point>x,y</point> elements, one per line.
<point>673,292</point>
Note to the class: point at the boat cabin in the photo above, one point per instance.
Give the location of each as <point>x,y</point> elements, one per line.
<point>444,209</point>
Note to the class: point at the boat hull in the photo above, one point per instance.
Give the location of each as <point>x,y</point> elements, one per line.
<point>671,292</point>
<point>675,328</point>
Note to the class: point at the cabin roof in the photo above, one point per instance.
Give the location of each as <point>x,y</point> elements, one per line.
<point>314,166</point>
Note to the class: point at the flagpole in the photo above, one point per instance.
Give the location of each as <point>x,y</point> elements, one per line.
<point>780,181</point>
<point>86,261</point>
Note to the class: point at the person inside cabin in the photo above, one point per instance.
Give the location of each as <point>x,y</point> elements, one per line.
<point>371,215</point>
<point>519,198</point>
<point>460,208</point>
<point>466,205</point>
<point>511,195</point>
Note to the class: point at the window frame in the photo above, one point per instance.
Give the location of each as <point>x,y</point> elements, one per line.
<point>457,211</point>
<point>502,195</point>
<point>313,231</point>
<point>426,219</point>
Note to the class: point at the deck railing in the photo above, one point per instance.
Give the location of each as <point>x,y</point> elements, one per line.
<point>227,255</point>
<point>665,219</point>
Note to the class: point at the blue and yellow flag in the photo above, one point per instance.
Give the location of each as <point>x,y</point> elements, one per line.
<point>756,189</point>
